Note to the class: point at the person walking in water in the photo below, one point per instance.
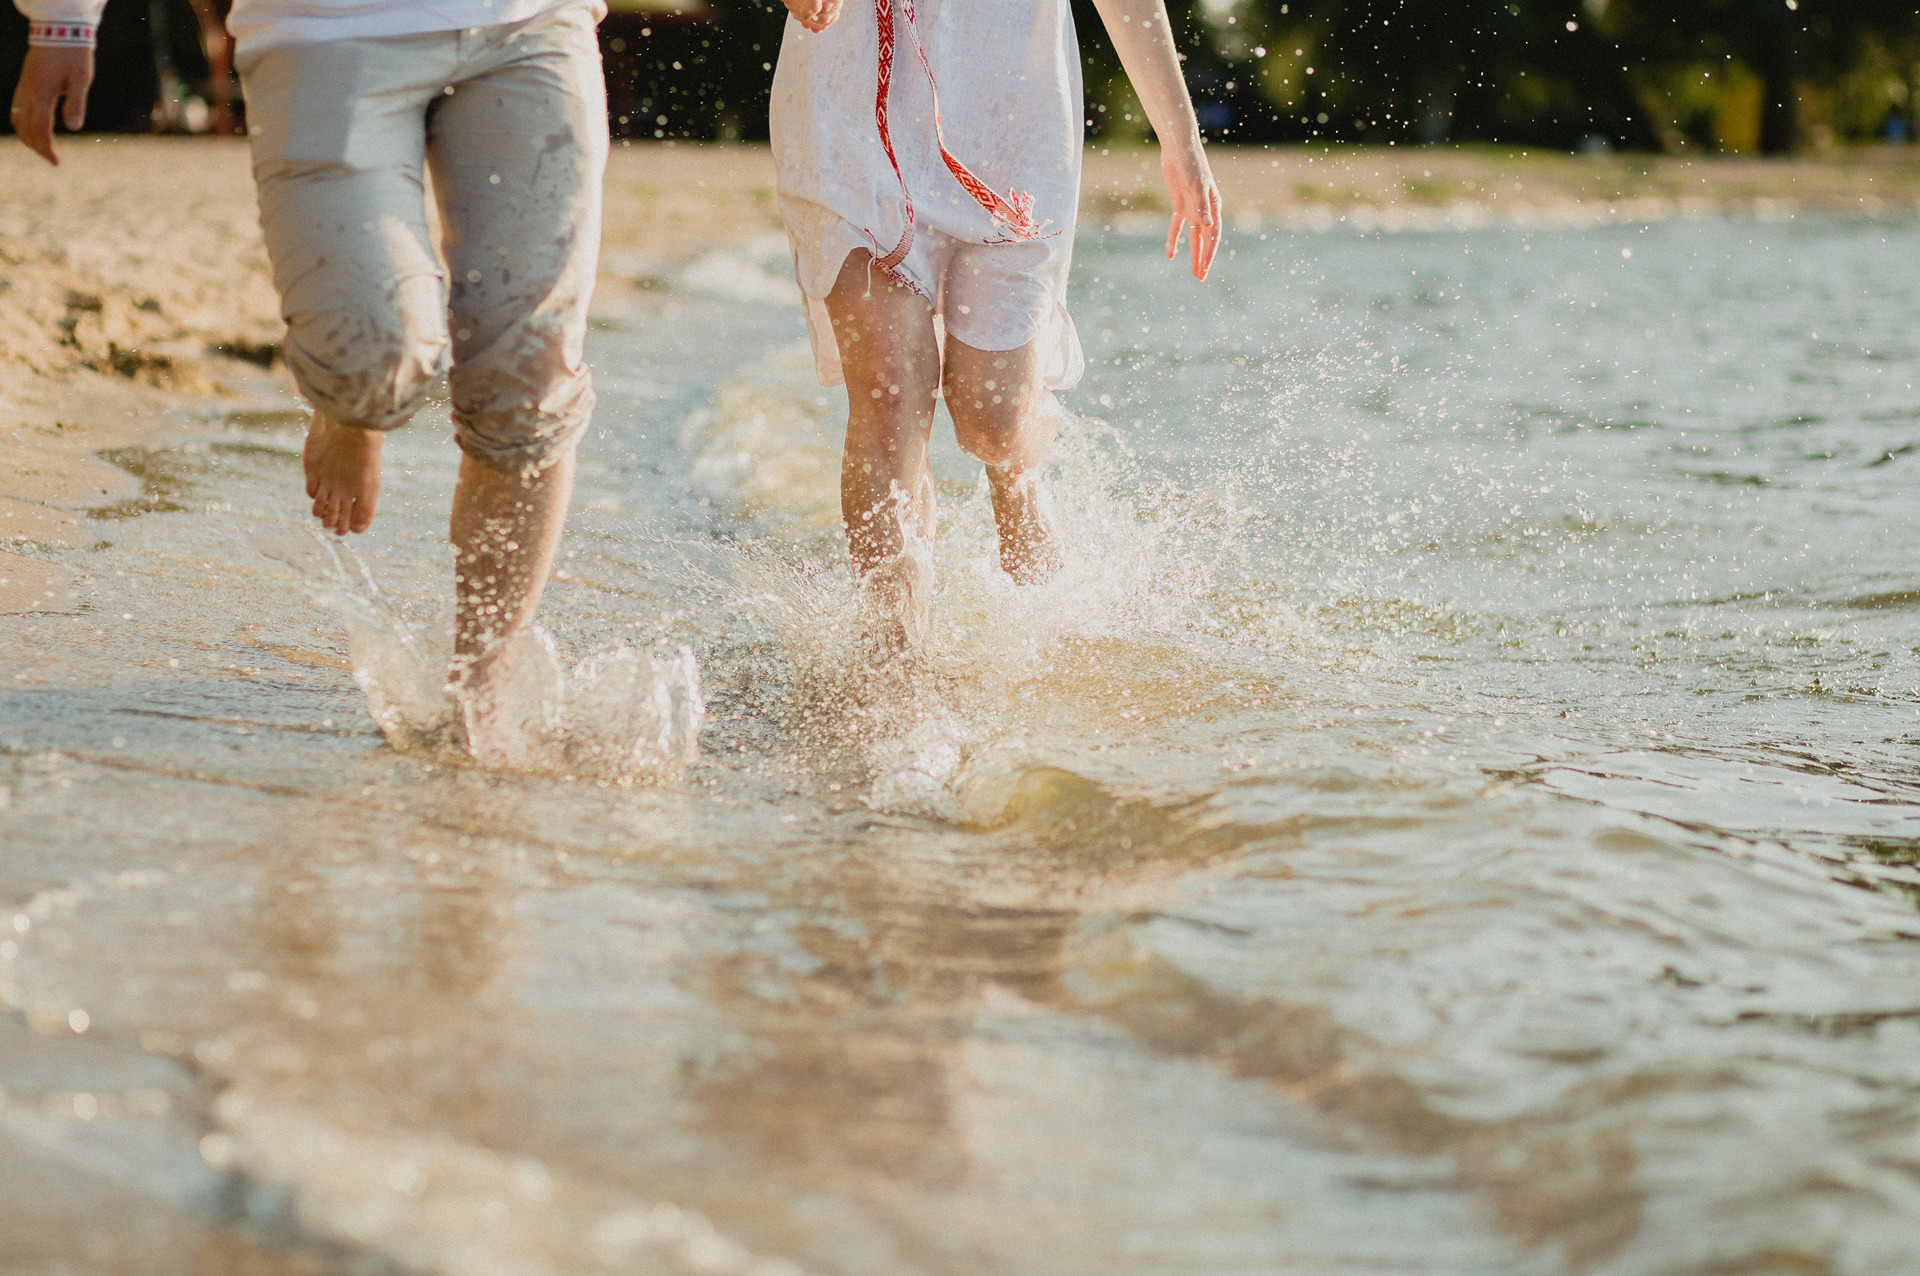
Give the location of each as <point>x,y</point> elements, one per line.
<point>928,171</point>
<point>350,105</point>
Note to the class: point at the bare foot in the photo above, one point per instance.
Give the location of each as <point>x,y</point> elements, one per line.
<point>343,473</point>
<point>1028,550</point>
<point>894,600</point>
<point>496,735</point>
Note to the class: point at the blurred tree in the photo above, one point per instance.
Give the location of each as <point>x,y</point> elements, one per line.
<point>686,68</point>
<point>1637,73</point>
<point>1523,71</point>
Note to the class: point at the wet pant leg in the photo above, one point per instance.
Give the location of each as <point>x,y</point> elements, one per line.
<point>511,122</point>
<point>339,134</point>
<point>518,152</point>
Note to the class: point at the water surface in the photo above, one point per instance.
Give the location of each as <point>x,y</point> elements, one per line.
<point>1453,814</point>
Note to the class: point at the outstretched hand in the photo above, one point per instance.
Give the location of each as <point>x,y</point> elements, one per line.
<point>1195,200</point>
<point>49,74</point>
<point>815,15</point>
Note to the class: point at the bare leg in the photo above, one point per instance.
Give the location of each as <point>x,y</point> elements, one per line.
<point>506,527</point>
<point>343,473</point>
<point>1004,417</point>
<point>892,364</point>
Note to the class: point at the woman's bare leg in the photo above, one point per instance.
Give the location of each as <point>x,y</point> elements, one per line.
<point>1004,417</point>
<point>892,366</point>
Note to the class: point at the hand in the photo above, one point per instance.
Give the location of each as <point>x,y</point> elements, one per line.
<point>1195,200</point>
<point>815,15</point>
<point>49,74</point>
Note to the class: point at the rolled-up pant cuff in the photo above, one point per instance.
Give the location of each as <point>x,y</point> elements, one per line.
<point>523,443</point>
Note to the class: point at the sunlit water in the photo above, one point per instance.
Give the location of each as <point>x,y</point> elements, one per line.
<point>1453,814</point>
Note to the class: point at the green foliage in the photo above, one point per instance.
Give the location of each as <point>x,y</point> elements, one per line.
<point>1776,74</point>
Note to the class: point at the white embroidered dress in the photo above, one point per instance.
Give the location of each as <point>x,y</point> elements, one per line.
<point>982,227</point>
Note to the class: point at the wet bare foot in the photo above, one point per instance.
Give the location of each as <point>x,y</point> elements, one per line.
<point>343,474</point>
<point>496,736</point>
<point>1028,550</point>
<point>894,601</point>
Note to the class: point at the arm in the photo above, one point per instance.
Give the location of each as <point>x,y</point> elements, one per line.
<point>1144,41</point>
<point>59,65</point>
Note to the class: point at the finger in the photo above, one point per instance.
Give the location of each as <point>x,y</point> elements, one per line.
<point>1211,239</point>
<point>1173,233</point>
<point>76,93</point>
<point>34,124</point>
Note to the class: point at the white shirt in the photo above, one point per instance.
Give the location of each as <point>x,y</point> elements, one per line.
<point>261,24</point>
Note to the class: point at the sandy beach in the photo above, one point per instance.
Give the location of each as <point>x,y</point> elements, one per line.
<point>1455,813</point>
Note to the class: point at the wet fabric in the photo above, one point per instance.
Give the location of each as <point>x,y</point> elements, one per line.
<point>859,168</point>
<point>511,122</point>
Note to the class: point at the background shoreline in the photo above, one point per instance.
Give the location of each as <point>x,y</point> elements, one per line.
<point>138,297</point>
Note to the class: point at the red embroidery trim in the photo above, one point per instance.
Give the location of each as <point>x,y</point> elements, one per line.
<point>1014,213</point>
<point>58,34</point>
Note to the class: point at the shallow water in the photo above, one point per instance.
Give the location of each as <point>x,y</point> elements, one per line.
<point>1452,815</point>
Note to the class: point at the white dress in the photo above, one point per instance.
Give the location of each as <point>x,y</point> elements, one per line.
<point>982,227</point>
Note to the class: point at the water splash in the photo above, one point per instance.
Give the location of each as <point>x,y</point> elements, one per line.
<point>938,727</point>
<point>618,715</point>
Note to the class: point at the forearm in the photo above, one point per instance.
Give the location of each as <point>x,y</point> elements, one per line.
<point>1143,38</point>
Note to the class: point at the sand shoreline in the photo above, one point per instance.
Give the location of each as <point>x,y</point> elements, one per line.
<point>138,304</point>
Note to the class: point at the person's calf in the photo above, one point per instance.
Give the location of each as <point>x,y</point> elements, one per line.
<point>1029,550</point>
<point>505,529</point>
<point>1011,438</point>
<point>342,464</point>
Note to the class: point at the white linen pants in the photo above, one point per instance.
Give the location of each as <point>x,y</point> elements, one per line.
<point>511,121</point>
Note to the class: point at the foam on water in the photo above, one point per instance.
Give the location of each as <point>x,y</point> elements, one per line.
<point>436,1204</point>
<point>617,715</point>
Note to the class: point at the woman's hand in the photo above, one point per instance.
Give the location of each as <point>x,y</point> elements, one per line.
<point>1143,38</point>
<point>48,75</point>
<point>815,15</point>
<point>1195,200</point>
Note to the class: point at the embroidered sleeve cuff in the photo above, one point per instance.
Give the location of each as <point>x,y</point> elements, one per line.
<point>64,34</point>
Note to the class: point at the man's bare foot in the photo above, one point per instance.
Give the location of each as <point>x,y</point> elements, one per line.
<point>496,731</point>
<point>343,473</point>
<point>1028,550</point>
